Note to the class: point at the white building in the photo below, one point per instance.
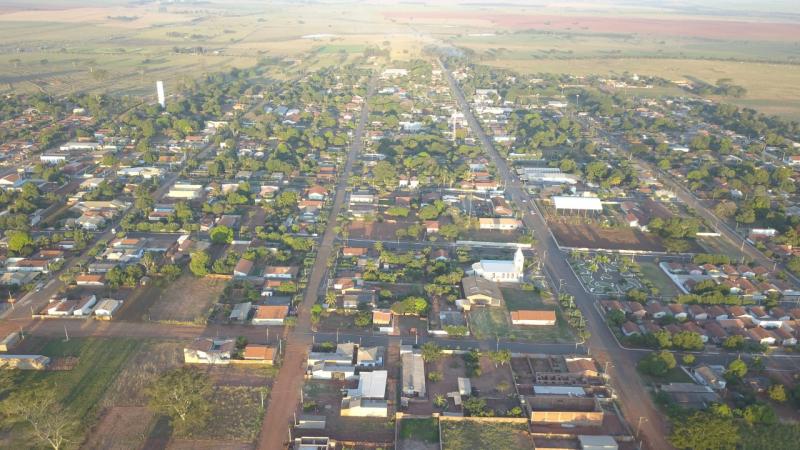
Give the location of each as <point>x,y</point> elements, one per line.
<point>500,270</point>
<point>574,203</point>
<point>107,307</point>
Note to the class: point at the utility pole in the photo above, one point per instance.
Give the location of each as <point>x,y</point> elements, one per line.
<point>66,335</point>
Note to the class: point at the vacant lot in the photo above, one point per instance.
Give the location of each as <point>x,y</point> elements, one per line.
<point>236,414</point>
<point>418,434</point>
<point>594,237</point>
<point>151,359</point>
<point>386,230</point>
<point>654,273</point>
<point>493,322</point>
<point>188,299</point>
<point>469,434</point>
<point>517,299</point>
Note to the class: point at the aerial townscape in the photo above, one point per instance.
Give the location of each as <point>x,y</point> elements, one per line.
<point>410,225</point>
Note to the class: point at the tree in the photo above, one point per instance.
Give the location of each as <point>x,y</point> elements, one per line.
<point>501,357</point>
<point>431,352</point>
<point>737,369</point>
<point>440,401</point>
<point>688,359</point>
<point>777,392</point>
<point>199,263</point>
<point>49,422</point>
<point>705,431</point>
<point>18,240</point>
<point>182,394</point>
<point>171,272</point>
<point>221,235</point>
<point>687,340</point>
<point>615,317</point>
<point>658,363</point>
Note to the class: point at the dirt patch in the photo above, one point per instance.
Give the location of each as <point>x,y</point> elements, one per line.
<point>594,237</point>
<point>380,231</point>
<point>188,299</point>
<point>122,427</point>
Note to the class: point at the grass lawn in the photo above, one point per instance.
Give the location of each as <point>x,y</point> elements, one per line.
<point>517,299</point>
<point>426,430</point>
<point>467,435</point>
<point>487,323</point>
<point>654,273</point>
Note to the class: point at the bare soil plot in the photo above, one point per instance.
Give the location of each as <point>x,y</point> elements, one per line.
<point>122,428</point>
<point>381,231</point>
<point>187,299</point>
<point>595,237</point>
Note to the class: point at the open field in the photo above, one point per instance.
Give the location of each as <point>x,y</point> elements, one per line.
<point>469,434</point>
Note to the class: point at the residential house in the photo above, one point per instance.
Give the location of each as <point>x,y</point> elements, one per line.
<point>270,315</point>
<point>243,268</point>
<point>261,353</point>
<point>630,329</point>
<point>209,351</point>
<point>107,307</point>
<point>531,317</point>
<point>281,272</point>
<point>413,372</point>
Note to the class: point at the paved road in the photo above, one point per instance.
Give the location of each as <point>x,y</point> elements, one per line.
<point>286,390</point>
<point>634,397</point>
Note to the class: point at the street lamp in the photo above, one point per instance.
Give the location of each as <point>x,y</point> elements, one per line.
<point>639,427</point>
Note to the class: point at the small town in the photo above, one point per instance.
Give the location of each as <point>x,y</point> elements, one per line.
<point>423,251</point>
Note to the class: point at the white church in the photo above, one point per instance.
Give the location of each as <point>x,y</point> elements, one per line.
<point>501,271</point>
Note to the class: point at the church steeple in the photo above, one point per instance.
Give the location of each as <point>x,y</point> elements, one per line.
<point>519,260</point>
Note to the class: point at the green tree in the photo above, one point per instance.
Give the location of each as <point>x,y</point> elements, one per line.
<point>183,395</point>
<point>431,352</point>
<point>199,263</point>
<point>49,422</point>
<point>704,431</point>
<point>777,392</point>
<point>737,369</point>
<point>615,317</point>
<point>221,235</point>
<point>501,357</point>
<point>658,363</point>
<point>687,340</point>
<point>18,240</point>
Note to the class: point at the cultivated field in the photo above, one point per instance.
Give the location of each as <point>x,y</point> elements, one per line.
<point>594,237</point>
